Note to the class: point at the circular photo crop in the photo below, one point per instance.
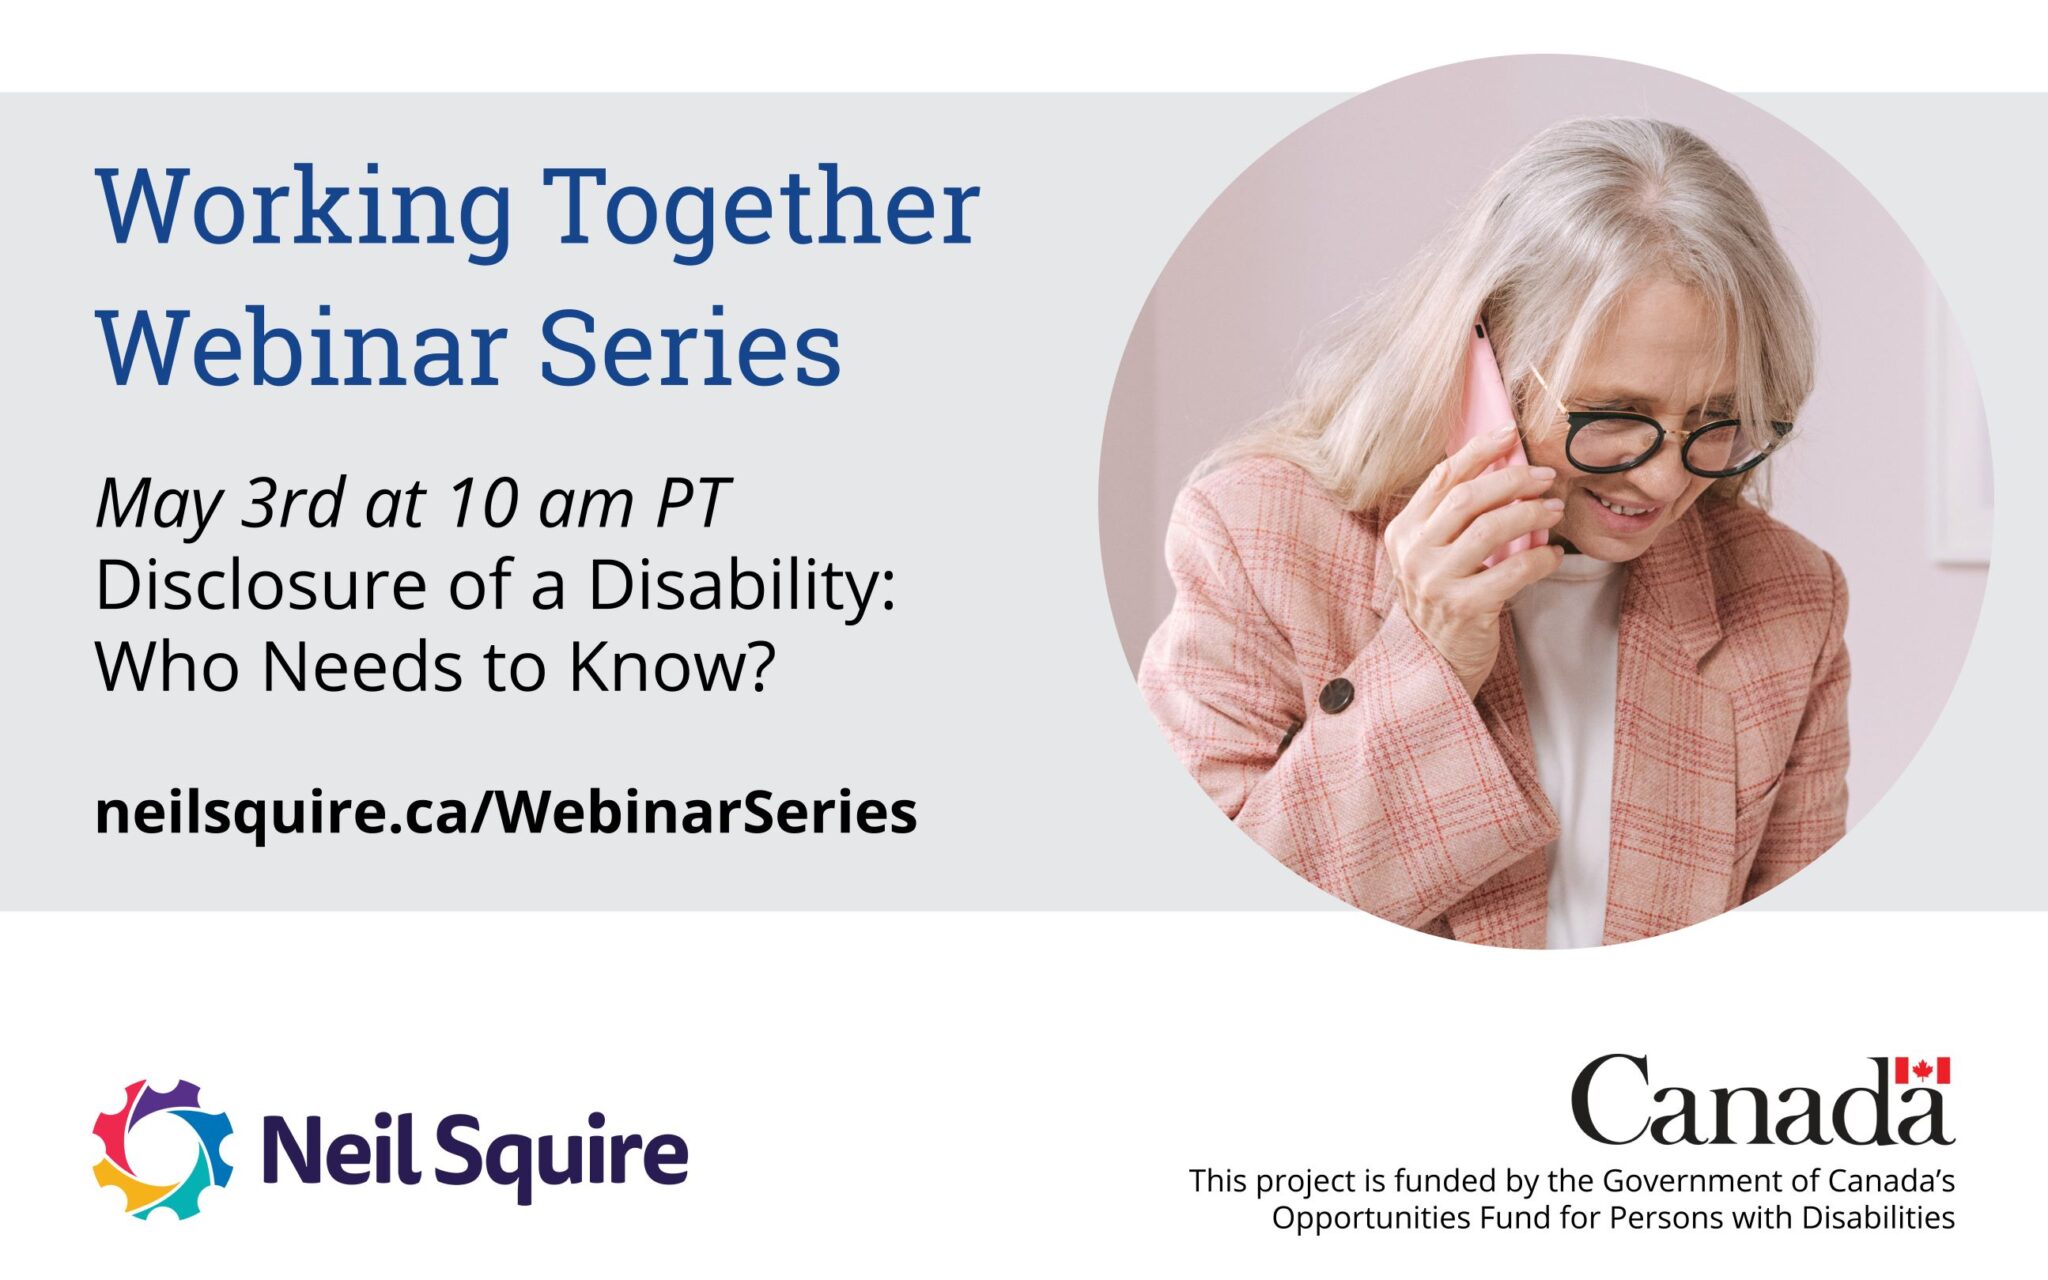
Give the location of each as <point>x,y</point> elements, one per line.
<point>1544,502</point>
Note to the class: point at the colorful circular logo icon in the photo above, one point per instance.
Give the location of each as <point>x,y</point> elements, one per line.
<point>208,1169</point>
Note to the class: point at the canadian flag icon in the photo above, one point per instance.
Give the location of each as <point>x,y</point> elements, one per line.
<point>1907,1071</point>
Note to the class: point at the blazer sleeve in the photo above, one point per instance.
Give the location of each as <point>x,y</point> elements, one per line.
<point>1397,801</point>
<point>1812,806</point>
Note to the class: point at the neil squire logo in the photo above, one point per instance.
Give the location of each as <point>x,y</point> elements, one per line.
<point>394,1149</point>
<point>515,1160</point>
<point>172,1106</point>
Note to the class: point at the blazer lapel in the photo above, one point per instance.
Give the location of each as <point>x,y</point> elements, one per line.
<point>1672,839</point>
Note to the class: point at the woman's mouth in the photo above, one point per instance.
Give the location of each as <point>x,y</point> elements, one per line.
<point>1623,517</point>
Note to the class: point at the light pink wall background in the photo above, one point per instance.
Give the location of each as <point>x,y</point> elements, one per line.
<point>1345,200</point>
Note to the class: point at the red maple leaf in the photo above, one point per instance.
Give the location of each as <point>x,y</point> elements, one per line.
<point>1922,1070</point>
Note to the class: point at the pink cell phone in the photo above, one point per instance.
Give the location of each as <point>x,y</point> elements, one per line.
<point>1487,409</point>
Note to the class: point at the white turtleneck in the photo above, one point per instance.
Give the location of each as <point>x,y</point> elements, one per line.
<point>1567,635</point>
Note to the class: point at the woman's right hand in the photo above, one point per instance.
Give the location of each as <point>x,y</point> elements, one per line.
<point>1439,543</point>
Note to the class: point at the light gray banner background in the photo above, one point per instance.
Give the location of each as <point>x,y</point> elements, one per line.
<point>959,450</point>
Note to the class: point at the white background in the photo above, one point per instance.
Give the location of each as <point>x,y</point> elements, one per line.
<point>960,1094</point>
<point>942,1094</point>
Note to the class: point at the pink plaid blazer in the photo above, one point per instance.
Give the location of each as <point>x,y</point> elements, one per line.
<point>1420,804</point>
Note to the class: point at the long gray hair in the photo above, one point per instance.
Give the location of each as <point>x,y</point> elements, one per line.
<point>1543,251</point>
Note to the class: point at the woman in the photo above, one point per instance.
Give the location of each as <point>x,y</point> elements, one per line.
<point>1631,727</point>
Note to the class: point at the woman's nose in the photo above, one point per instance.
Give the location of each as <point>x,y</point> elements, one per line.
<point>1664,477</point>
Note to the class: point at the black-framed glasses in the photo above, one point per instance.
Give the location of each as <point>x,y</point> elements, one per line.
<point>1604,441</point>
